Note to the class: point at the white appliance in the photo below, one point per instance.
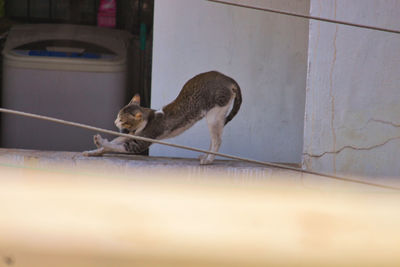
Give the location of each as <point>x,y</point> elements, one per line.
<point>71,72</point>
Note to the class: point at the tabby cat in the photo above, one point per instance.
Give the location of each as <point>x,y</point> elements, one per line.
<point>207,95</point>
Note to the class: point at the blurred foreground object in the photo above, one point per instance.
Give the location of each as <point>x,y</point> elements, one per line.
<point>82,218</point>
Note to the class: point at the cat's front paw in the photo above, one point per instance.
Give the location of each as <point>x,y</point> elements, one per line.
<point>99,141</point>
<point>93,153</point>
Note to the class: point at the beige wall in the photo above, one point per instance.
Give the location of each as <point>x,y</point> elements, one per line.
<point>265,53</point>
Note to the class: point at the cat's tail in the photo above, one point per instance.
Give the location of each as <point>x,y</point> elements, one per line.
<point>236,103</point>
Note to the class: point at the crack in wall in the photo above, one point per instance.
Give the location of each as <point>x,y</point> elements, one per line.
<point>359,148</point>
<point>385,122</point>
<point>352,148</point>
<point>395,125</point>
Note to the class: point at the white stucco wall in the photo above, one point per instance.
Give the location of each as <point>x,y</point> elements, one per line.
<point>352,122</point>
<point>265,53</point>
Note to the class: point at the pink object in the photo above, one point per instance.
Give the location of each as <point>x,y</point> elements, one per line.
<point>107,13</point>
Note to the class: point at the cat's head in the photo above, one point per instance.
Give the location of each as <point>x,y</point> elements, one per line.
<point>131,118</point>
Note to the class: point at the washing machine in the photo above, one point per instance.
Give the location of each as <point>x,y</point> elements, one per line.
<point>71,72</point>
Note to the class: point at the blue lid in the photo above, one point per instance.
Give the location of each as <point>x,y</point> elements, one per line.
<point>45,53</point>
<point>64,49</point>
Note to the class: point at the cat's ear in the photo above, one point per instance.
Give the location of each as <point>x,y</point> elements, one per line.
<point>135,99</point>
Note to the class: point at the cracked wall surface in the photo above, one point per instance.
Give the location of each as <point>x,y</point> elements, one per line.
<point>352,114</point>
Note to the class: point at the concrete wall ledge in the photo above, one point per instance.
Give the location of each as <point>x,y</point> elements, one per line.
<point>127,164</point>
<point>117,165</point>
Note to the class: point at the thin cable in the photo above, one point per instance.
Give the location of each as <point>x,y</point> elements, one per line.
<point>268,164</point>
<point>282,12</point>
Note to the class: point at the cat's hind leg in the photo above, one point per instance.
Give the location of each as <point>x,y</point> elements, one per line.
<point>215,121</point>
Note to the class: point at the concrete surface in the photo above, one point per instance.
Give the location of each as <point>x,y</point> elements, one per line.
<point>126,164</point>
<point>117,165</point>
<point>352,123</point>
<point>265,53</point>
